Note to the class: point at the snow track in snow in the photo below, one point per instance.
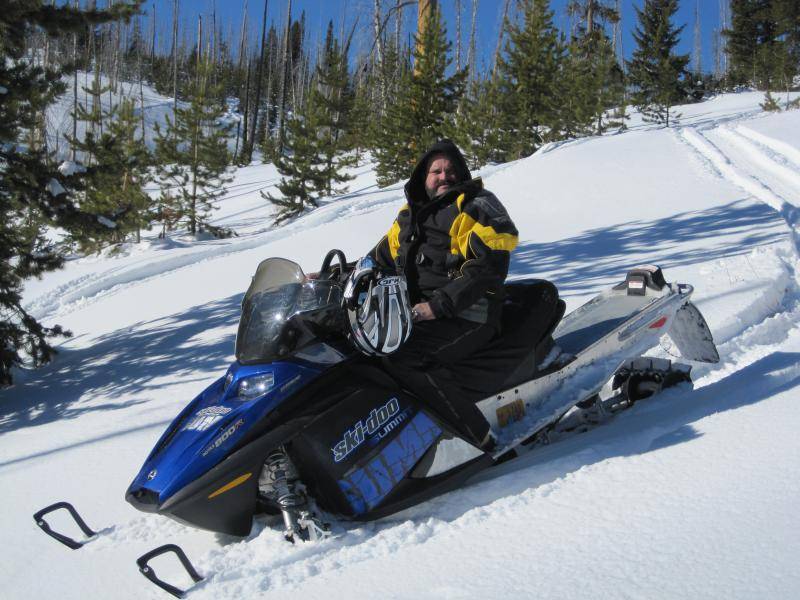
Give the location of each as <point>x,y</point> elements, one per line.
<point>750,168</point>
<point>78,293</point>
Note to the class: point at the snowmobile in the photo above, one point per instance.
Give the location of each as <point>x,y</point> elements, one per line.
<point>304,426</point>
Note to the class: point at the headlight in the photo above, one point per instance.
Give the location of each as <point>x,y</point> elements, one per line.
<point>255,386</point>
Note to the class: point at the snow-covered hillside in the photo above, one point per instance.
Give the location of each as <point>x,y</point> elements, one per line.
<point>689,494</point>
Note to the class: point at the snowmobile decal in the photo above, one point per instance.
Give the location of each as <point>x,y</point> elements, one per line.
<point>225,435</point>
<point>205,418</point>
<point>366,486</point>
<point>355,436</point>
<point>510,413</point>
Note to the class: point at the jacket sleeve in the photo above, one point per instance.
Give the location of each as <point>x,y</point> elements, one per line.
<point>483,237</point>
<point>385,251</point>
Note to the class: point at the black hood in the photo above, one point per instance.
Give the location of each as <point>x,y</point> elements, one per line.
<point>415,187</point>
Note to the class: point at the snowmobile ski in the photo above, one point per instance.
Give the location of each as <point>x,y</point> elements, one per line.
<point>66,540</point>
<point>145,569</point>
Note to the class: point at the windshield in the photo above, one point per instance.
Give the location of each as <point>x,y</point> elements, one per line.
<point>281,308</point>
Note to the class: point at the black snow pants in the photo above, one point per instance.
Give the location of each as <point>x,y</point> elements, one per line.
<point>424,365</point>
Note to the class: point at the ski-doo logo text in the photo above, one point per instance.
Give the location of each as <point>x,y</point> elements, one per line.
<point>376,422</point>
<point>205,418</point>
<point>222,438</point>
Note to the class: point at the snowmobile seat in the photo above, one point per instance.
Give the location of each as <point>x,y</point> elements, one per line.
<point>531,312</point>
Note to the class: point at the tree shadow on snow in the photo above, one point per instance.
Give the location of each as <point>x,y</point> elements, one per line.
<point>121,368</point>
<point>585,262</point>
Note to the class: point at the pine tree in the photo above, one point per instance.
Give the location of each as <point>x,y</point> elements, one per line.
<point>528,82</point>
<point>314,156</point>
<point>656,72</point>
<point>334,95</point>
<point>764,43</point>
<point>770,104</point>
<point>593,80</point>
<point>476,127</point>
<point>193,157</point>
<point>33,191</point>
<point>128,171</point>
<point>786,15</point>
<point>747,38</point>
<point>298,165</point>
<point>421,113</point>
<point>115,163</point>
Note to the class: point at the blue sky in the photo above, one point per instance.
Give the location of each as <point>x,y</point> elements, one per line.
<point>318,12</point>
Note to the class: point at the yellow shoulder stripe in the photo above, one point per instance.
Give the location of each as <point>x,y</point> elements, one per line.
<point>393,237</point>
<point>464,226</point>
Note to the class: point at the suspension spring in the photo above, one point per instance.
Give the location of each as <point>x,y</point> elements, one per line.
<point>278,482</point>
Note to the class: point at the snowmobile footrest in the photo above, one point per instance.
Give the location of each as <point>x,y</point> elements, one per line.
<point>67,541</point>
<point>146,570</point>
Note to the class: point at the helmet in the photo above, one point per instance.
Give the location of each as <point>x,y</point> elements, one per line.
<point>378,310</point>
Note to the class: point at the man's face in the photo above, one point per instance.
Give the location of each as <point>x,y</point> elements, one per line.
<point>441,175</point>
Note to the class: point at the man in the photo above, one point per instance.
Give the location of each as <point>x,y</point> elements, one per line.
<point>452,241</point>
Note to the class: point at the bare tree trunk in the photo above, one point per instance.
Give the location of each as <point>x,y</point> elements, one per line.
<point>196,134</point>
<point>213,49</point>
<point>153,36</point>
<point>398,27</point>
<point>724,17</point>
<point>254,123</point>
<point>379,62</point>
<point>174,57</point>
<point>199,46</point>
<point>458,34</point>
<point>268,105</point>
<point>75,90</point>
<point>500,35</point>
<point>617,33</point>
<point>425,10</point>
<point>698,48</point>
<point>246,115</point>
<point>287,59</point>
<point>141,97</point>
<point>471,53</point>
<point>243,37</point>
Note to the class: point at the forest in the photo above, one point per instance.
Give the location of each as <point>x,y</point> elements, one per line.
<point>315,108</point>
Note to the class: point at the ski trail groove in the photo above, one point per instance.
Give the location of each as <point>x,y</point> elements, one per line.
<point>76,294</point>
<point>724,167</point>
<point>782,148</point>
<point>764,160</point>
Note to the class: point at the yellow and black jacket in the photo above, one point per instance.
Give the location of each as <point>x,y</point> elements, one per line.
<point>453,249</point>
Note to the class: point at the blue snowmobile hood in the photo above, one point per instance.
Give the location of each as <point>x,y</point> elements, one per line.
<point>214,422</point>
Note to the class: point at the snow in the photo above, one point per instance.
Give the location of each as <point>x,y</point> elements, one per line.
<point>106,222</point>
<point>689,494</point>
<point>55,188</point>
<point>69,168</point>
